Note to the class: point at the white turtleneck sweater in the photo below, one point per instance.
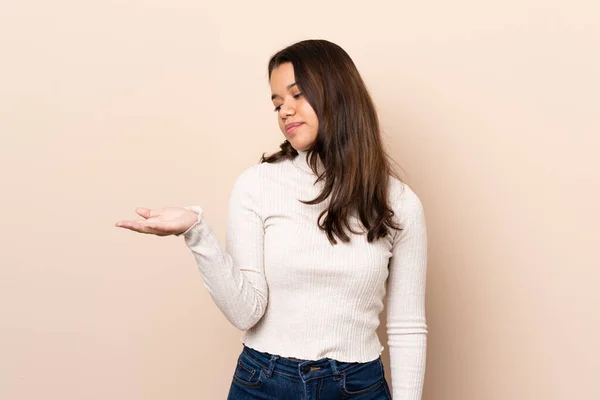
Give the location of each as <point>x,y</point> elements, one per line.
<point>296,295</point>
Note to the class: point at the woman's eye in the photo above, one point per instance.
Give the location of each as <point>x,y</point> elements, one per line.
<point>296,96</point>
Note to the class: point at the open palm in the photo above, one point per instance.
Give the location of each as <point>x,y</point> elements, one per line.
<point>161,221</point>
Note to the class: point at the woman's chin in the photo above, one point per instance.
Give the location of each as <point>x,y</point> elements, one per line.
<point>299,144</point>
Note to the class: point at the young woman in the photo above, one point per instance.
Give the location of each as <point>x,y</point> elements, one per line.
<point>317,233</point>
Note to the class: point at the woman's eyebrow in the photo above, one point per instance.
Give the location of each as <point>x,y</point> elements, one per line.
<point>291,85</point>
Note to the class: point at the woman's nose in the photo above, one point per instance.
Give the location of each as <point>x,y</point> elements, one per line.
<point>286,111</point>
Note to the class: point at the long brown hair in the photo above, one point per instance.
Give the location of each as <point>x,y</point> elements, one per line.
<point>348,144</point>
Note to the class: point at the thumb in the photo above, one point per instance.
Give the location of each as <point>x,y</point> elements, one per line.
<point>144,212</point>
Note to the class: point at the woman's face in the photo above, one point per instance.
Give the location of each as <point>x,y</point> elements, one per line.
<point>297,119</point>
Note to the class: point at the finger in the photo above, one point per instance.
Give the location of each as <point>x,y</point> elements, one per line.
<point>144,226</point>
<point>144,212</point>
<point>137,226</point>
<point>148,213</point>
<point>134,229</point>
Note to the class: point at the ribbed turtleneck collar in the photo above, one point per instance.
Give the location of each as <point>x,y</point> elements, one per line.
<point>301,161</point>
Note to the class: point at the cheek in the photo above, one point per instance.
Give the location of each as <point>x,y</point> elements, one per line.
<point>314,122</point>
<point>309,115</point>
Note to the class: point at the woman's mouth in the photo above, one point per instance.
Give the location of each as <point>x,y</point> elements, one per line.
<point>292,127</point>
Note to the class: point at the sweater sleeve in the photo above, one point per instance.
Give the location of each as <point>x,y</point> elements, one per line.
<point>406,325</point>
<point>234,275</point>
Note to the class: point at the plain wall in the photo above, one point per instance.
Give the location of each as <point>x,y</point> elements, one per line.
<point>491,109</point>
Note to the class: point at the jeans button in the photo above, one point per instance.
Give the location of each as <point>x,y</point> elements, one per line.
<point>305,369</point>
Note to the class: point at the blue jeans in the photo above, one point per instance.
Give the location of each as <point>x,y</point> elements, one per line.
<point>265,376</point>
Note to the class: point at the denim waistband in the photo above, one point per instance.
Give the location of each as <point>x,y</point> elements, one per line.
<point>302,368</point>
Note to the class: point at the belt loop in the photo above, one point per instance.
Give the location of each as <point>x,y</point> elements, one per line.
<point>271,365</point>
<point>334,368</point>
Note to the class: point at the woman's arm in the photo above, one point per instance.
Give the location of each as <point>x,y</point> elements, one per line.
<point>406,326</point>
<point>234,276</point>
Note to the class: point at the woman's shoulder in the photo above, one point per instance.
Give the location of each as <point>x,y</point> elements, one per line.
<point>403,198</point>
<point>258,174</point>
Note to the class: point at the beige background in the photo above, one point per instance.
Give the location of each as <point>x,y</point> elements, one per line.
<point>491,108</point>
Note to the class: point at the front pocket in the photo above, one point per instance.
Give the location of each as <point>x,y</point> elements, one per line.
<point>362,379</point>
<point>247,375</point>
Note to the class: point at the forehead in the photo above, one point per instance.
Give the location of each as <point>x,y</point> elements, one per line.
<point>282,76</point>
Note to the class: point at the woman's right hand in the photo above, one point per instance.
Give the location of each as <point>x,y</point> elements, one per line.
<point>161,221</point>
